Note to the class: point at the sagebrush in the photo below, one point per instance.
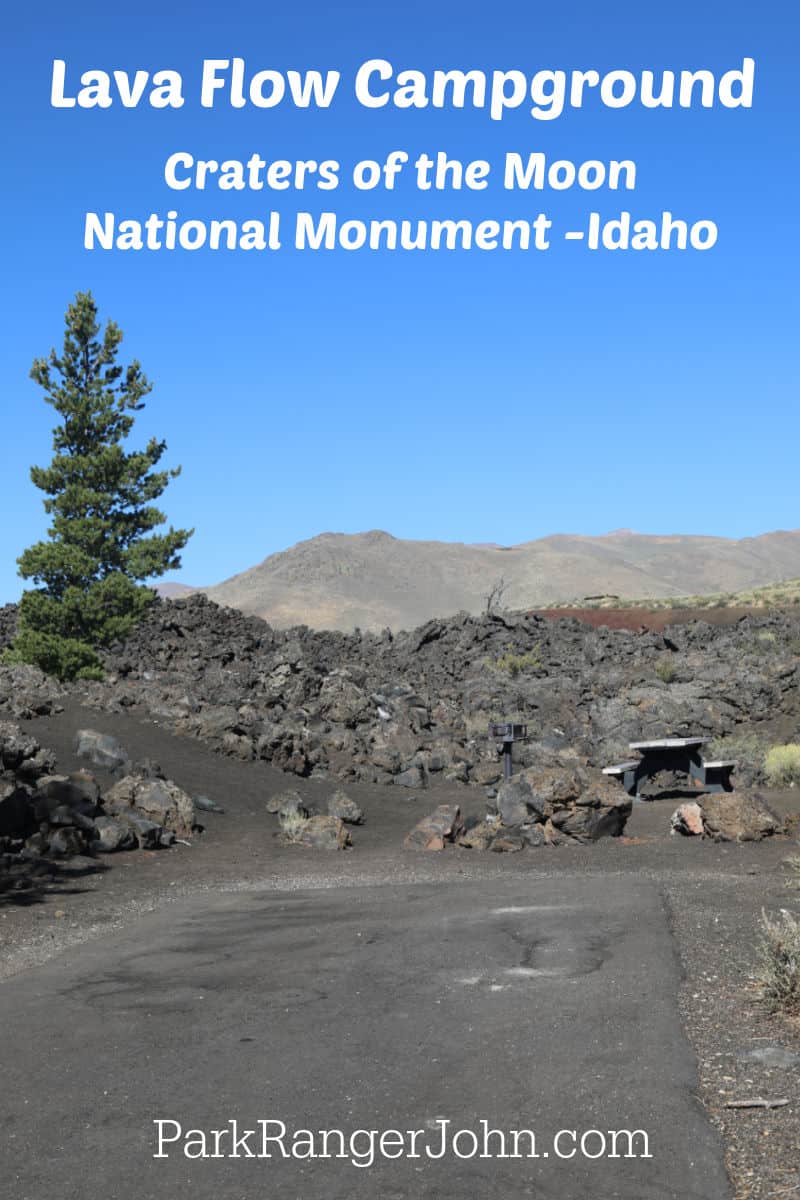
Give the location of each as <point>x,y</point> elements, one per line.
<point>292,822</point>
<point>779,961</point>
<point>666,670</point>
<point>782,766</point>
<point>516,664</point>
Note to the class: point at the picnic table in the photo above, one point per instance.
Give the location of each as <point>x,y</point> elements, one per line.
<point>676,754</point>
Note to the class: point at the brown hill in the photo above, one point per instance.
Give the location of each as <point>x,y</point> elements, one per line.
<point>175,591</point>
<point>373,580</point>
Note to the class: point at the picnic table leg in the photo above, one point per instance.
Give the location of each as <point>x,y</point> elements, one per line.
<point>723,783</point>
<point>630,782</point>
<point>697,772</point>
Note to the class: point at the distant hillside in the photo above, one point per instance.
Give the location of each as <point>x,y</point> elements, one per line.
<point>785,594</point>
<point>175,591</point>
<point>373,580</point>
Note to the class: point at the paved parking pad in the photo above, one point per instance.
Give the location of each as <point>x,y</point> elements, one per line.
<point>459,1013</point>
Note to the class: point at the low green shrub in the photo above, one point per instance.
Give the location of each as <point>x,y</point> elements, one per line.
<point>666,670</point>
<point>764,640</point>
<point>516,664</point>
<point>782,766</point>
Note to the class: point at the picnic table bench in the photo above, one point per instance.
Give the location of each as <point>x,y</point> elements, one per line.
<point>679,754</point>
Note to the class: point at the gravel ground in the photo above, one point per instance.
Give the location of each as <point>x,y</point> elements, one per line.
<point>743,1050</point>
<point>715,895</point>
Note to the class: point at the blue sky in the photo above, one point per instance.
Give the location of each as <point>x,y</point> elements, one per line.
<point>463,396</point>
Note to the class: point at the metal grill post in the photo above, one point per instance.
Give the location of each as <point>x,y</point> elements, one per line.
<point>507,752</point>
<point>505,734</point>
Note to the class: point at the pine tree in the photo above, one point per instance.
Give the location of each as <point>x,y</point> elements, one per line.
<point>100,498</point>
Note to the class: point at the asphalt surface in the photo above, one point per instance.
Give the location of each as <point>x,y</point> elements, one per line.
<point>548,1004</point>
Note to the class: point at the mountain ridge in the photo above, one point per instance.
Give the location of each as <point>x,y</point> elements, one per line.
<point>373,580</point>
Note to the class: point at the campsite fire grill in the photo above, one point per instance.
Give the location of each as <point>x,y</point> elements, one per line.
<point>505,734</point>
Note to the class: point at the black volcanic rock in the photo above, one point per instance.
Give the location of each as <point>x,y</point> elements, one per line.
<point>413,707</point>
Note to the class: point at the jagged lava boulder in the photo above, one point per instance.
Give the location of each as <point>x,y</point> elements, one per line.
<point>159,800</point>
<point>323,833</point>
<point>574,801</point>
<point>341,806</point>
<point>431,833</point>
<point>738,816</point>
